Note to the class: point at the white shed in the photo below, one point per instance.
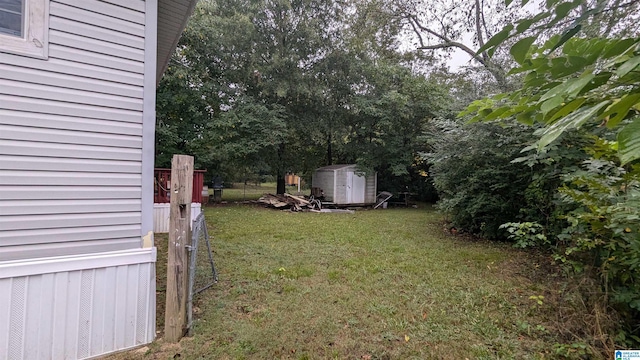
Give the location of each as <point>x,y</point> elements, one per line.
<point>77,120</point>
<point>344,185</point>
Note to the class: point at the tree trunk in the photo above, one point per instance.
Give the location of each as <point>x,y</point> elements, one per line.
<point>329,150</point>
<point>280,187</point>
<point>280,181</point>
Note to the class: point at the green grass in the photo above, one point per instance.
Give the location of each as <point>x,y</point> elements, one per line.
<point>241,192</point>
<point>387,284</point>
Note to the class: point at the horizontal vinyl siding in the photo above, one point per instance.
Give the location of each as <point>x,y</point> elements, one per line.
<point>74,206</point>
<point>71,134</point>
<point>83,127</point>
<point>44,236</point>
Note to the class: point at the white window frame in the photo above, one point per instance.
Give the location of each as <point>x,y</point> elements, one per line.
<point>35,36</point>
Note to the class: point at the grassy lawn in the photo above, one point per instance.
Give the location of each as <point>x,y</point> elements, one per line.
<point>384,284</point>
<point>241,192</point>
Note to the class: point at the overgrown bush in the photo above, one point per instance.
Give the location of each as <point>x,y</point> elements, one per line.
<point>573,198</point>
<point>480,187</point>
<point>603,231</point>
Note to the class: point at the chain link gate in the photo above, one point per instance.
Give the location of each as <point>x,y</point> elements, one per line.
<point>203,281</point>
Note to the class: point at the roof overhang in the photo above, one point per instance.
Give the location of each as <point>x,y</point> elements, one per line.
<point>172,19</point>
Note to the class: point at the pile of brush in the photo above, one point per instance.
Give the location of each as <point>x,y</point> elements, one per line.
<point>289,202</point>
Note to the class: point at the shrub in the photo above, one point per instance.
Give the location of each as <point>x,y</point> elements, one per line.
<point>603,231</point>
<point>479,186</point>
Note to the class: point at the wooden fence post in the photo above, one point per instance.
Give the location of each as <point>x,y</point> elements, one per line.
<point>179,239</point>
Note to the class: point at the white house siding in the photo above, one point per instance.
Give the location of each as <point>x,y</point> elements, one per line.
<point>71,134</point>
<point>78,306</point>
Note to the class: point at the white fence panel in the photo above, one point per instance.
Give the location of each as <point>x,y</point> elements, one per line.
<point>76,307</point>
<point>161,216</point>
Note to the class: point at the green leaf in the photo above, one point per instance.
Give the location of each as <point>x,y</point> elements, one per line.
<point>569,88</point>
<point>621,108</point>
<point>574,86</point>
<point>555,91</point>
<point>572,121</point>
<point>496,39</point>
<point>551,104</point>
<point>526,118</point>
<point>629,142</point>
<point>497,113</point>
<point>567,109</point>
<point>520,49</point>
<point>566,36</point>
<point>563,9</point>
<point>524,25</point>
<point>628,66</point>
<point>619,47</point>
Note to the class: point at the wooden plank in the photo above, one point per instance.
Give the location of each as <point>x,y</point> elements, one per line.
<point>179,239</point>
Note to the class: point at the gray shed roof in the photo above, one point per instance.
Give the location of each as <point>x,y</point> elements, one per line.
<point>335,167</point>
<point>172,19</point>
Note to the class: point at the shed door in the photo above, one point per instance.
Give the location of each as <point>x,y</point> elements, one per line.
<point>355,188</point>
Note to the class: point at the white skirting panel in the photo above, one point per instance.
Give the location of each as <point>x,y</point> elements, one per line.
<point>76,307</point>
<point>161,216</point>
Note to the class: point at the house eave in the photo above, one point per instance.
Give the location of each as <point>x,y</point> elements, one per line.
<point>172,19</point>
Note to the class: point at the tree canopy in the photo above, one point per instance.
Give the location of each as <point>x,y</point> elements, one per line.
<point>544,152</point>
<point>278,86</point>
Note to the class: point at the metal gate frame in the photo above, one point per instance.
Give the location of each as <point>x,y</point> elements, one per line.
<point>199,226</point>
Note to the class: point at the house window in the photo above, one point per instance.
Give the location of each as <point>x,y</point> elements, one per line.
<point>12,17</point>
<point>24,27</point>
